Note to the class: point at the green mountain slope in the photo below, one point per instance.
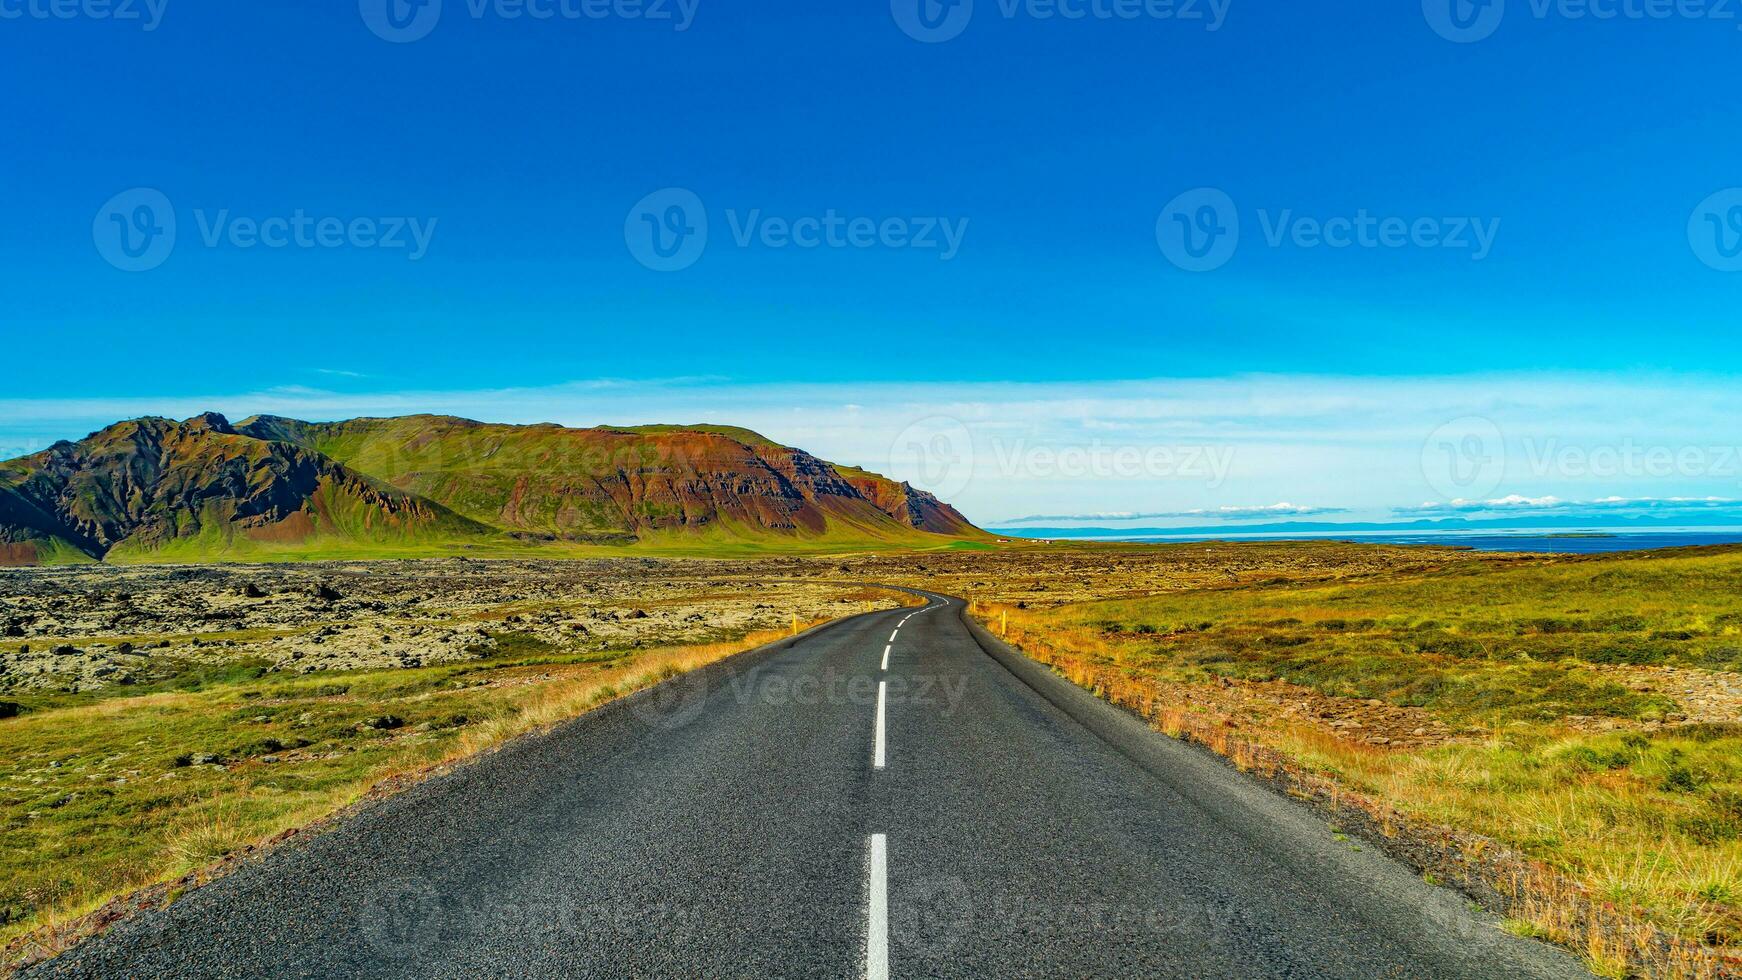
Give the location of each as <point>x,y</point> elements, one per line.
<point>617,485</point>
<point>155,489</point>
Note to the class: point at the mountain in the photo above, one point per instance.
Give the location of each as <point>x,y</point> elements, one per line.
<point>153,485</point>
<point>620,484</point>
<point>159,489</point>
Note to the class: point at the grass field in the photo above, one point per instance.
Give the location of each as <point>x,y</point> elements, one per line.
<point>108,791</point>
<point>674,544</point>
<point>1579,711</point>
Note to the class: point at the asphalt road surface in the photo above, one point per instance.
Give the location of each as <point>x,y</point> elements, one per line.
<point>878,798</point>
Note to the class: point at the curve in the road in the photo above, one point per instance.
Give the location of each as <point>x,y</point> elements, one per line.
<point>877,798</point>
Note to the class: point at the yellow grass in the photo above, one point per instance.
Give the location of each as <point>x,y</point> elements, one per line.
<point>144,845</point>
<point>1592,861</point>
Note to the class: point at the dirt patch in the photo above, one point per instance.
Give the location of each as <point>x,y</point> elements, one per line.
<point>1364,720</point>
<point>1703,697</point>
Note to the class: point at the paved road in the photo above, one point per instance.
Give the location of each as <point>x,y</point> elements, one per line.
<point>830,810</point>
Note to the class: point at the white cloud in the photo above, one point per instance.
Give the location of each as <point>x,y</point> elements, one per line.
<point>1511,502</point>
<point>1217,513</point>
<point>1610,504</point>
<point>1357,443</point>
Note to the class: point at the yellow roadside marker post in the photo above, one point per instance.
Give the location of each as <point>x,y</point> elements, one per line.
<point>1004,623</point>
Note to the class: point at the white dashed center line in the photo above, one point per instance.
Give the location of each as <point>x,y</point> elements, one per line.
<point>892,635</point>
<point>882,698</point>
<point>886,656</point>
<point>877,911</point>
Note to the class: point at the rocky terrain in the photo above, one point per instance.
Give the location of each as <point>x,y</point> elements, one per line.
<point>82,629</point>
<point>1039,576</point>
<point>86,629</point>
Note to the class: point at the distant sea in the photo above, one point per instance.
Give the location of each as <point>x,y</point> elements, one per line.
<point>1579,543</point>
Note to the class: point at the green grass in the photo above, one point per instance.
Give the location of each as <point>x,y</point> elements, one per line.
<point>345,542</point>
<point>52,551</point>
<point>675,544</point>
<point>1472,643</point>
<point>116,802</point>
<point>191,551</point>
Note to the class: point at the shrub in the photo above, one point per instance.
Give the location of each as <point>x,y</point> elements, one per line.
<point>1641,652</point>
<point>1594,759</point>
<point>1445,644</point>
<point>1710,731</point>
<point>1551,625</point>
<point>1680,779</point>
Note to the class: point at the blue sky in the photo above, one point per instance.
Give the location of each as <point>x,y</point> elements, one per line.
<point>1547,174</point>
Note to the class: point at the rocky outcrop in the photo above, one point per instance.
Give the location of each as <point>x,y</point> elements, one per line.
<point>914,507</point>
